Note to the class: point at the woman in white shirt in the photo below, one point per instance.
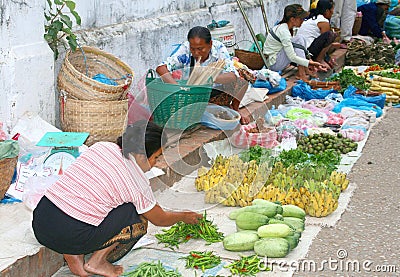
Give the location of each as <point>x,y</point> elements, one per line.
<point>279,48</point>
<point>316,30</point>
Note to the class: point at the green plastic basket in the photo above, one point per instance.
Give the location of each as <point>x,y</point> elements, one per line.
<point>176,106</point>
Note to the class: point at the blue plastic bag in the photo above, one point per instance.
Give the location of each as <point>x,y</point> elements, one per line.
<point>304,90</point>
<point>350,92</point>
<point>104,79</point>
<point>266,84</point>
<point>210,120</point>
<point>358,104</point>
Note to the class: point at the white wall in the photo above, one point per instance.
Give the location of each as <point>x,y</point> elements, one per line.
<point>141,33</point>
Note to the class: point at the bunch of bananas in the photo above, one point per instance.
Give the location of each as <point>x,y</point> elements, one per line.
<point>339,179</point>
<point>232,182</point>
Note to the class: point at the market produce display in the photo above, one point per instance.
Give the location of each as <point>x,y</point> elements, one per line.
<point>388,83</point>
<point>182,232</point>
<point>246,266</point>
<point>273,236</point>
<point>202,260</point>
<point>319,143</point>
<point>305,177</point>
<point>153,269</point>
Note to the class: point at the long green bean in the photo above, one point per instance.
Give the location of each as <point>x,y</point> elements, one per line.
<point>246,266</point>
<point>147,269</point>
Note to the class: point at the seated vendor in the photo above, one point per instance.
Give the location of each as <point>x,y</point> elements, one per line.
<point>374,15</point>
<point>229,87</point>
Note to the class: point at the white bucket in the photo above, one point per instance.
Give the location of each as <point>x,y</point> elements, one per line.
<point>226,35</point>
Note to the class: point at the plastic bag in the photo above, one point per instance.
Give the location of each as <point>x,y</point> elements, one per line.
<point>334,98</point>
<point>298,113</point>
<point>210,119</point>
<point>271,89</point>
<point>138,107</point>
<point>243,139</point>
<point>288,129</point>
<point>350,92</point>
<point>34,189</point>
<point>358,104</point>
<point>305,91</point>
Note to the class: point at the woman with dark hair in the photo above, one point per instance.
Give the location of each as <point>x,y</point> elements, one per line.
<point>229,87</point>
<point>317,32</point>
<point>282,48</point>
<point>103,201</point>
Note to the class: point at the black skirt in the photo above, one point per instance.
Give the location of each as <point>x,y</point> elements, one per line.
<point>66,235</point>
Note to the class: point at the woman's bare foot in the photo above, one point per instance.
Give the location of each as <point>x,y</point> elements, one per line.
<point>75,264</point>
<point>98,264</point>
<point>103,268</point>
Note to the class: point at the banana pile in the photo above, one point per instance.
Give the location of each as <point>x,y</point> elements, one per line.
<point>232,182</point>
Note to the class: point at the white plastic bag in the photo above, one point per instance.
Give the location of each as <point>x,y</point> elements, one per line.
<point>34,189</point>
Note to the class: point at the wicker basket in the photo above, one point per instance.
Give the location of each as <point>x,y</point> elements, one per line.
<point>103,120</point>
<point>176,106</point>
<point>357,25</point>
<point>7,167</point>
<point>253,60</point>
<point>78,69</point>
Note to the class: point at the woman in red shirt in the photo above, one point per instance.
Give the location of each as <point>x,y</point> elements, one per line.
<point>103,201</point>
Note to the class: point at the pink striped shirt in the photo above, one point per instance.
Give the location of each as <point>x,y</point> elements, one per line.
<point>98,181</point>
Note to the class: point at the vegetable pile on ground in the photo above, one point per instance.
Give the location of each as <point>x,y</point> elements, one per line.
<point>202,260</point>
<point>388,83</point>
<point>231,181</point>
<point>309,181</point>
<point>270,229</point>
<point>348,77</point>
<point>153,269</point>
<point>319,143</point>
<point>247,266</point>
<point>182,232</point>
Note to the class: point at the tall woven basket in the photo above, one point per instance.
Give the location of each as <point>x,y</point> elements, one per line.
<point>7,167</point>
<point>103,120</point>
<point>79,67</point>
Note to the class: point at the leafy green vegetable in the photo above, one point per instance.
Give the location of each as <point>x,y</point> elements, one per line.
<point>257,153</point>
<point>293,156</point>
<point>347,77</point>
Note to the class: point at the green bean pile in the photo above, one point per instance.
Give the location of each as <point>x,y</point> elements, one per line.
<point>182,232</point>
<point>147,269</point>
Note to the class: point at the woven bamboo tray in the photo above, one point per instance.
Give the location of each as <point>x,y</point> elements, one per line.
<point>78,69</point>
<point>103,120</point>
<point>7,167</point>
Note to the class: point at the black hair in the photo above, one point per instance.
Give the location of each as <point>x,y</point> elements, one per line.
<point>142,137</point>
<point>322,7</point>
<point>293,10</point>
<point>200,32</point>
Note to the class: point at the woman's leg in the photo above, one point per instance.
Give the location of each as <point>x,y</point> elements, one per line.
<point>98,264</point>
<point>75,264</point>
<point>320,46</point>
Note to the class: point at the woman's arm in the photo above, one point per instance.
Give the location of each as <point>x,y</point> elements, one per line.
<point>324,27</point>
<point>165,75</point>
<point>159,217</point>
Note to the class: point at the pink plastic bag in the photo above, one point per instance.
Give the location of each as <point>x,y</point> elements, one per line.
<point>243,139</point>
<point>137,103</point>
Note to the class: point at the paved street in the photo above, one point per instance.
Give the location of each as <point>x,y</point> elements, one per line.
<point>369,229</point>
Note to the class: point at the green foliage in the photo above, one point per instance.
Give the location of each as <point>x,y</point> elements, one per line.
<point>59,25</point>
<point>257,153</point>
<point>347,77</point>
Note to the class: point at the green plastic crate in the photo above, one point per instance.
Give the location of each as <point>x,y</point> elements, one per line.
<point>176,106</point>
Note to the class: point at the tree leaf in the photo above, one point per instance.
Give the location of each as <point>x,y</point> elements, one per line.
<point>77,17</point>
<point>66,20</point>
<point>72,43</point>
<point>58,2</point>
<point>71,5</point>
<point>58,25</point>
<point>50,4</point>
